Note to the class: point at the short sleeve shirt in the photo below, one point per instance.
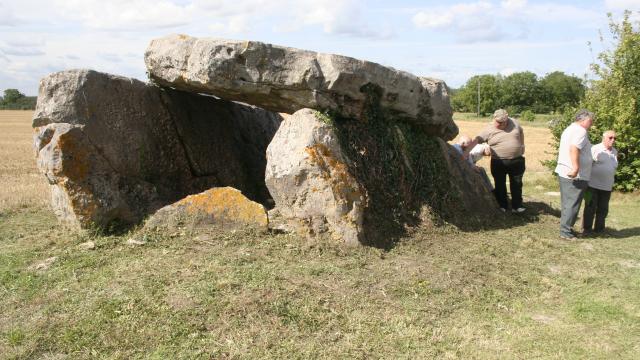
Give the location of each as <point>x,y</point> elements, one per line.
<point>477,152</point>
<point>605,163</point>
<point>577,136</point>
<point>507,143</point>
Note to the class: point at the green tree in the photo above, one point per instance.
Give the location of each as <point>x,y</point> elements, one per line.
<point>615,99</point>
<point>11,96</point>
<point>15,100</point>
<point>560,90</point>
<point>466,98</point>
<point>521,91</point>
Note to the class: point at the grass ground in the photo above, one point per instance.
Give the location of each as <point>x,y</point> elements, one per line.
<point>513,290</point>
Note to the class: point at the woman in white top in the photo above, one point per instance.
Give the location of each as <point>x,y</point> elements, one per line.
<point>605,163</point>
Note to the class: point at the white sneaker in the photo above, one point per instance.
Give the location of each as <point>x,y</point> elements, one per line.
<point>503,209</point>
<point>519,210</point>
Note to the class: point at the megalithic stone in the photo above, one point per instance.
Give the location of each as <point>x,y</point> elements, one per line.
<point>116,149</point>
<point>284,79</point>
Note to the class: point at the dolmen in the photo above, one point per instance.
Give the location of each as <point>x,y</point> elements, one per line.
<point>243,134</point>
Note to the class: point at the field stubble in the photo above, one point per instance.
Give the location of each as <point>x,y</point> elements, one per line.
<point>22,185</point>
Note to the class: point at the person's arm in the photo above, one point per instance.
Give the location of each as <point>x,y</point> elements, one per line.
<point>481,137</point>
<point>574,155</point>
<point>521,139</point>
<point>595,153</point>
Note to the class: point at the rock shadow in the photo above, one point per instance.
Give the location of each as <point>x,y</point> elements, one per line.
<point>623,233</point>
<point>535,210</point>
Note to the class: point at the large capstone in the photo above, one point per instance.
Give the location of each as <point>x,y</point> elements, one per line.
<point>283,79</point>
<point>116,149</point>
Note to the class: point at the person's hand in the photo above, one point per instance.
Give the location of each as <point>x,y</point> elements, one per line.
<point>573,173</point>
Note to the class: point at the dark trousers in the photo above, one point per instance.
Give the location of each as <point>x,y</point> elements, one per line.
<point>596,204</point>
<point>514,168</point>
<point>571,195</point>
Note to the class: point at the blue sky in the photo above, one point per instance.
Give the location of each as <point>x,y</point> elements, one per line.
<point>450,40</point>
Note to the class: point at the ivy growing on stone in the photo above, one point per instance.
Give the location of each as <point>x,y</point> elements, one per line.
<point>402,168</point>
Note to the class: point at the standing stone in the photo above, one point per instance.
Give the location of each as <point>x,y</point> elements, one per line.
<point>310,181</point>
<point>367,182</point>
<point>285,79</point>
<point>115,149</point>
<point>474,197</point>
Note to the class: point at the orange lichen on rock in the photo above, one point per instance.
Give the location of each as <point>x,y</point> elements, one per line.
<point>224,205</point>
<point>70,174</point>
<point>343,185</point>
<point>75,165</point>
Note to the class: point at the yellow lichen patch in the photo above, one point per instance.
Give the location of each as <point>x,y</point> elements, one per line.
<point>225,205</point>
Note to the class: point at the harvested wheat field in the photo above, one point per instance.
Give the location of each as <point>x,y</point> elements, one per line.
<point>22,184</point>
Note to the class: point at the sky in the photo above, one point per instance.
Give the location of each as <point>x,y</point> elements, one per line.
<point>449,40</point>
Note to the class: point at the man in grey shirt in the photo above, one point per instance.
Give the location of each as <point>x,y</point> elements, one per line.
<point>596,200</point>
<point>506,139</point>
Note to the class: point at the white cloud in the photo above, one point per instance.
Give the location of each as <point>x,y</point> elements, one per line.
<point>335,17</point>
<point>486,21</point>
<point>470,22</point>
<point>123,15</point>
<point>441,17</point>
<point>622,4</point>
<point>6,16</point>
<point>20,45</point>
<point>433,19</point>
<point>513,4</point>
<point>22,51</point>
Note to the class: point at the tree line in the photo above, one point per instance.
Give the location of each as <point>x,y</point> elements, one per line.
<point>518,92</point>
<point>614,97</point>
<point>15,100</point>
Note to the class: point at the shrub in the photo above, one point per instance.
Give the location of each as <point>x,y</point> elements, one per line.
<point>527,115</point>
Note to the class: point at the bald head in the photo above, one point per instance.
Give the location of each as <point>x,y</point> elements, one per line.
<point>464,141</point>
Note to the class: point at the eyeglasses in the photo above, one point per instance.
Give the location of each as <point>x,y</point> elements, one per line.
<point>611,137</point>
